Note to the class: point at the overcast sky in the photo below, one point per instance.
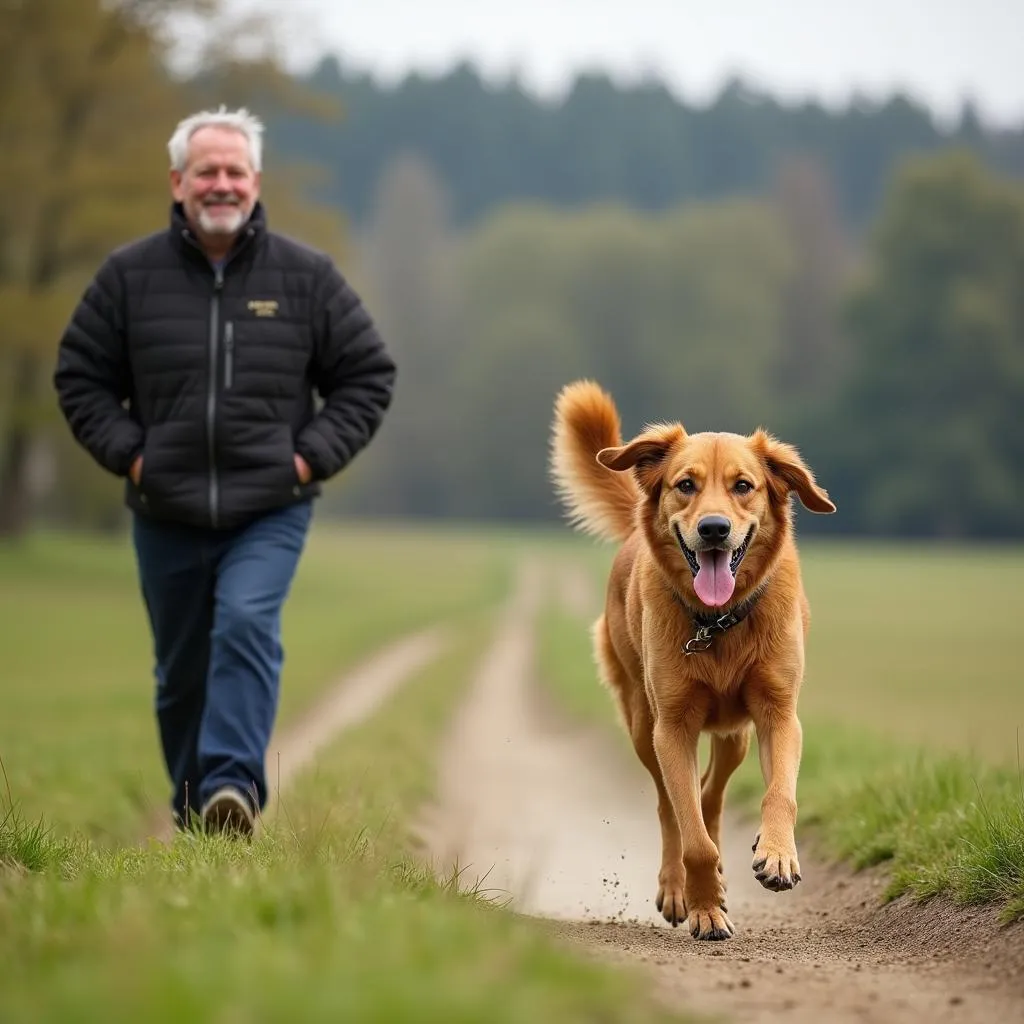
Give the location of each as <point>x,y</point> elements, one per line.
<point>940,50</point>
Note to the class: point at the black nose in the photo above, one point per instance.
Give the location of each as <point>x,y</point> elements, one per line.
<point>714,528</point>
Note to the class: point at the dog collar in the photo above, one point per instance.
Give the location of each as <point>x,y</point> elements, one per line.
<point>710,626</point>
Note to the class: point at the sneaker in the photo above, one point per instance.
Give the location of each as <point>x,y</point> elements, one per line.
<point>228,811</point>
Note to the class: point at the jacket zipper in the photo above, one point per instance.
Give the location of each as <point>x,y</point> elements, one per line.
<point>211,394</point>
<point>229,354</point>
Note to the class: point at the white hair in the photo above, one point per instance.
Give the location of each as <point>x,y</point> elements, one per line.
<point>238,120</point>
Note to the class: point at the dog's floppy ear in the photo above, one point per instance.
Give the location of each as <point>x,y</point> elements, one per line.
<point>788,472</point>
<point>645,455</point>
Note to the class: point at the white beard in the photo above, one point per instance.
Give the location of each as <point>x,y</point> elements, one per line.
<point>221,224</point>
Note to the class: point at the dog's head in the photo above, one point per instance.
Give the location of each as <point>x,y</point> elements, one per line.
<point>717,509</point>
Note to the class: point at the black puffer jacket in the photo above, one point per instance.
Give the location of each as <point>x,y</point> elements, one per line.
<point>210,374</point>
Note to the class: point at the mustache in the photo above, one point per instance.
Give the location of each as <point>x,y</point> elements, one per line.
<point>221,199</point>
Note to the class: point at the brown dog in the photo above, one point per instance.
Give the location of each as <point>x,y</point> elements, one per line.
<point>703,628</point>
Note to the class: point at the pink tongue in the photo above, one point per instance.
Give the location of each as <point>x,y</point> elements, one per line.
<point>714,583</point>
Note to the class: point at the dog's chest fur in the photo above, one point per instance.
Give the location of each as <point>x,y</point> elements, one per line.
<point>726,708</point>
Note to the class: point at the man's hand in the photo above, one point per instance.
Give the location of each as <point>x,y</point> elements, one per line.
<point>136,470</point>
<point>302,470</point>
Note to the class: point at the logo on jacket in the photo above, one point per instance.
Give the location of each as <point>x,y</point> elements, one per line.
<point>263,307</point>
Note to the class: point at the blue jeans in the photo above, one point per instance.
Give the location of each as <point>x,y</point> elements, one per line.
<point>214,600</point>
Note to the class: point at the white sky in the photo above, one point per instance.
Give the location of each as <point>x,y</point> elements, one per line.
<point>939,50</point>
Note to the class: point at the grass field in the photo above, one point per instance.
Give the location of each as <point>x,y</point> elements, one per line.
<point>326,917</point>
<point>77,736</point>
<point>329,914</point>
<point>912,709</point>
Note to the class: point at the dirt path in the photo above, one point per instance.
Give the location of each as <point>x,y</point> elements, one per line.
<point>562,823</point>
<point>349,701</point>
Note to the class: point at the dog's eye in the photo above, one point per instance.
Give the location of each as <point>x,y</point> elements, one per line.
<point>743,487</point>
<point>686,486</point>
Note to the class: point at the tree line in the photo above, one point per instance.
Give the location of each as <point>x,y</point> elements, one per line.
<point>638,145</point>
<point>897,367</point>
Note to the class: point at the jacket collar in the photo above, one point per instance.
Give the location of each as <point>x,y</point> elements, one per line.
<point>253,229</point>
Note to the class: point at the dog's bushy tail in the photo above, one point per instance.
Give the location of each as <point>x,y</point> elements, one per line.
<point>598,501</point>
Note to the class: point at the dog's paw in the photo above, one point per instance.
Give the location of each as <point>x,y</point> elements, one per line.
<point>775,867</point>
<point>671,905</point>
<point>670,901</point>
<point>710,924</point>
<point>708,915</point>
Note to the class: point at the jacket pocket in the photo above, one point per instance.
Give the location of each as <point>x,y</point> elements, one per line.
<point>150,456</point>
<point>167,448</point>
<point>285,444</point>
<point>229,355</point>
<point>147,459</point>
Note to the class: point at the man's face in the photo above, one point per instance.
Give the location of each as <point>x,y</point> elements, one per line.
<point>218,187</point>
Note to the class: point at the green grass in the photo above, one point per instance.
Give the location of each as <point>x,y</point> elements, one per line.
<point>911,715</point>
<point>327,916</point>
<point>77,734</point>
<point>566,657</point>
<point>32,845</point>
<point>944,824</point>
<point>919,643</point>
<point>330,914</point>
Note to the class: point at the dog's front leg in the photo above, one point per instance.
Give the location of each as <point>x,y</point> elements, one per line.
<point>779,741</point>
<point>676,738</point>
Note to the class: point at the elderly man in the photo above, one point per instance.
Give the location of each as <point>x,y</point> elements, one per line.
<point>190,368</point>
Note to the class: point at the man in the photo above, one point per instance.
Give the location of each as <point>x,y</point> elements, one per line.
<point>189,367</point>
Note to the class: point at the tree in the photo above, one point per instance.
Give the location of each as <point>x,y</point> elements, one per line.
<point>86,105</point>
<point>81,98</point>
<point>681,316</point>
<point>811,363</point>
<point>932,410</point>
<point>406,275</point>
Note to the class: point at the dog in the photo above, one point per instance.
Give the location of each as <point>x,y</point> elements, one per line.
<point>703,627</point>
